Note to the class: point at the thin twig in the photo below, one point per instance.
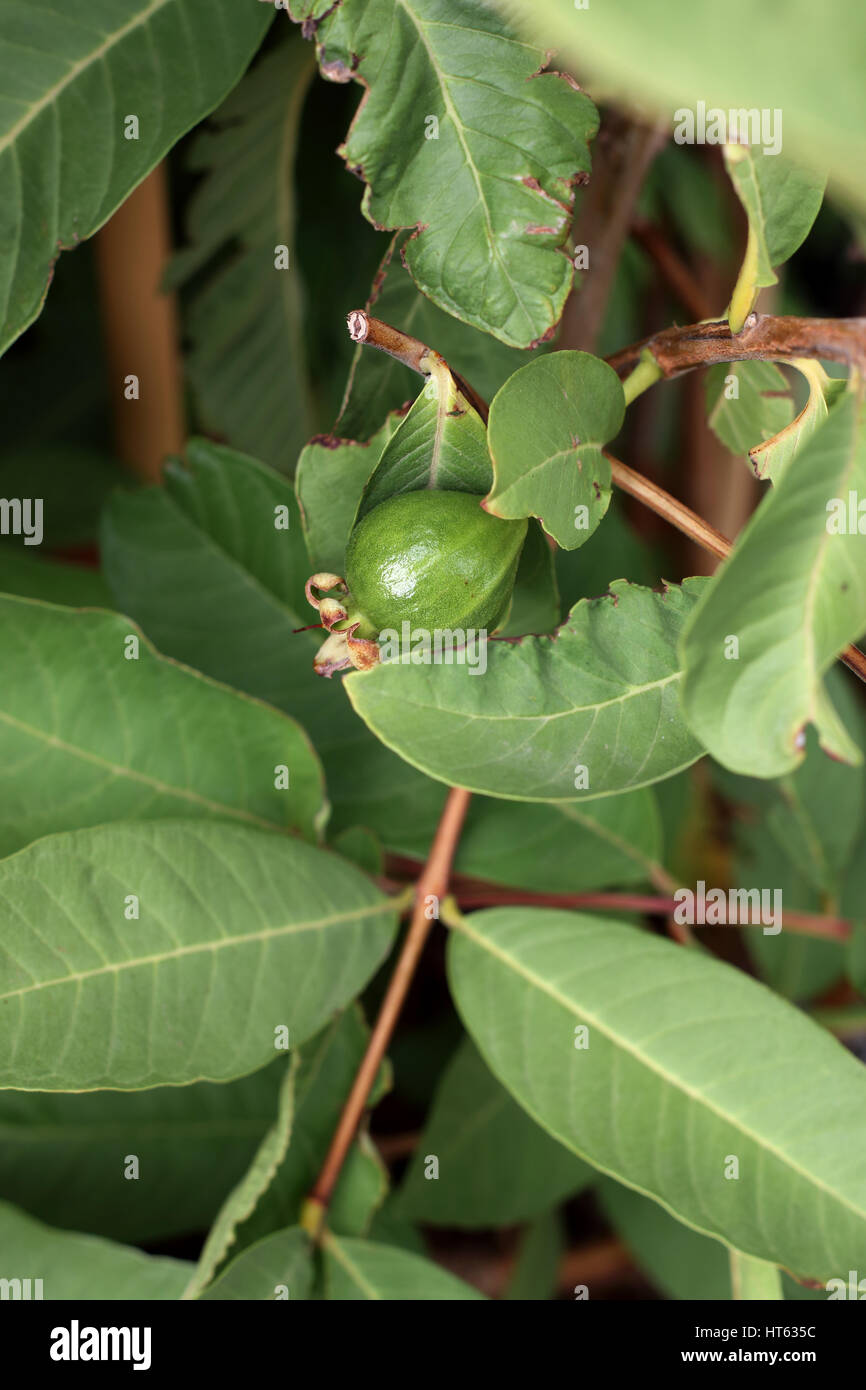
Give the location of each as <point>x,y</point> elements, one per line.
<point>803,923</point>
<point>433,882</point>
<point>698,530</point>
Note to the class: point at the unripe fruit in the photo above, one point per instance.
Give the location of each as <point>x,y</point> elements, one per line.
<point>434,559</point>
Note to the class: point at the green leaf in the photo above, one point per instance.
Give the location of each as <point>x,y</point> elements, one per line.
<point>535,1273</point>
<point>535,599</point>
<point>363,848</point>
<point>62,1157</point>
<point>747,401</point>
<point>794,965</point>
<point>441,443</point>
<point>754,1279</point>
<point>29,576</point>
<point>71,76</point>
<point>495,1165</point>
<point>360,1269</point>
<point>663,1026</point>
<point>614,551</point>
<point>815,813</point>
<point>565,847</point>
<point>239,933</point>
<point>547,426</point>
<point>378,384</point>
<point>244,315</point>
<point>793,593</point>
<point>602,695</point>
<point>215,519</point>
<point>771,458</point>
<point>361,1190</point>
<point>676,1260</point>
<point>83,1267</point>
<point>781,203</point>
<point>81,718</point>
<point>679,1262</point>
<point>279,1267</point>
<point>328,1064</point>
<point>671,57</point>
<point>509,145</point>
<point>331,476</point>
<point>244,1196</point>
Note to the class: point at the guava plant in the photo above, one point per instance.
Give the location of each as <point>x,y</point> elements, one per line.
<point>431,778</point>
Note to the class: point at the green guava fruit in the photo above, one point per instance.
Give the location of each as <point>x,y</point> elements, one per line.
<point>434,559</point>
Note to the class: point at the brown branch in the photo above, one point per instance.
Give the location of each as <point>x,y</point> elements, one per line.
<point>682,349</point>
<point>622,155</point>
<point>672,511</point>
<point>432,882</point>
<point>802,923</point>
<point>140,327</point>
<point>677,275</point>
<point>698,530</point>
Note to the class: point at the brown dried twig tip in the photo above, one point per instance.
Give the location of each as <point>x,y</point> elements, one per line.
<point>363,328</point>
<point>357,321</point>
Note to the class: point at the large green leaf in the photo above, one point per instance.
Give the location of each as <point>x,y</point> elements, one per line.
<point>677,1260</point>
<point>239,933</point>
<point>562,848</point>
<point>472,1125</point>
<point>378,384</point>
<point>82,1267</point>
<point>664,1096</point>
<point>793,594</point>
<point>216,519</point>
<point>363,1270</point>
<point>548,424</point>
<point>133,738</point>
<point>798,59</point>
<point>601,695</point>
<point>279,1267</point>
<point>491,191</point>
<point>71,78</point>
<point>244,315</point>
<point>63,1157</point>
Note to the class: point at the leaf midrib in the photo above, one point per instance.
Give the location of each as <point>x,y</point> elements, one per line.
<point>119,770</point>
<point>200,947</point>
<point>96,55</point>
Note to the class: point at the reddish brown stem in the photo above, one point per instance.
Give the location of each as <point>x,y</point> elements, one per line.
<point>433,882</point>
<point>804,923</point>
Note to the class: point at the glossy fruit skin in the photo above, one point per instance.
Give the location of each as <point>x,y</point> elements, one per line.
<point>432,558</point>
